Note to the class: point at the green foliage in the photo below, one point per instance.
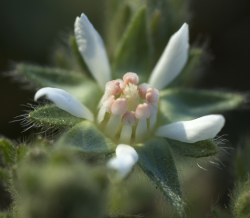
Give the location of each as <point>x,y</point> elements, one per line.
<point>53,116</point>
<point>198,149</point>
<point>117,25</point>
<point>241,204</point>
<point>60,186</point>
<point>131,58</point>
<point>188,76</point>
<point>8,151</point>
<point>185,104</point>
<point>85,90</point>
<point>218,212</point>
<point>156,160</point>
<point>86,138</point>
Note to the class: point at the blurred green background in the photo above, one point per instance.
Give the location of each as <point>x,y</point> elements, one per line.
<point>29,30</point>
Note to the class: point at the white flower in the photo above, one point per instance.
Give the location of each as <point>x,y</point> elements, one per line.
<point>128,103</point>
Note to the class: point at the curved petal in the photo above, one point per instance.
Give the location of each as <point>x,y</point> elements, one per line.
<point>172,60</point>
<point>65,101</point>
<point>92,49</point>
<point>125,159</point>
<point>203,128</point>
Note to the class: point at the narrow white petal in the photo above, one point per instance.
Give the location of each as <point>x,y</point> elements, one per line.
<point>92,49</point>
<point>206,127</point>
<point>126,149</point>
<point>122,164</point>
<point>65,101</point>
<point>125,159</point>
<point>172,60</point>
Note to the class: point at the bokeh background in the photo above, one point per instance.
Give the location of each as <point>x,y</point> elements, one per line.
<point>29,30</point>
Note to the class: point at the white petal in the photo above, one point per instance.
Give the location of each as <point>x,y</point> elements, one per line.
<point>92,49</point>
<point>123,164</point>
<point>65,101</point>
<point>172,60</point>
<point>194,130</point>
<point>125,159</point>
<point>128,150</point>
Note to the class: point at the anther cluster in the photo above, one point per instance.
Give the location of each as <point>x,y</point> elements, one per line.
<point>133,108</point>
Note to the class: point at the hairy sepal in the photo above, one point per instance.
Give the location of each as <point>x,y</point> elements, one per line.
<point>185,104</point>
<point>82,88</point>
<point>85,137</point>
<point>8,152</point>
<point>198,149</point>
<point>156,160</point>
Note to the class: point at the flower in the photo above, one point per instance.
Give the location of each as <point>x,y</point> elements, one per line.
<point>128,111</point>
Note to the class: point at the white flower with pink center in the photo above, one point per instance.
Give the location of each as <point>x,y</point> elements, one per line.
<point>128,110</point>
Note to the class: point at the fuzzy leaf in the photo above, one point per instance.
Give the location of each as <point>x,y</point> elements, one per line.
<point>134,50</point>
<point>117,26</point>
<point>188,75</point>
<point>53,116</point>
<point>87,138</point>
<point>8,151</point>
<point>156,160</point>
<point>85,90</point>
<point>198,149</point>
<point>185,104</point>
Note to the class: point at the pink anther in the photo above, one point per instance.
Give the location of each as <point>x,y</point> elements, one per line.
<point>152,95</point>
<point>113,88</point>
<point>119,106</point>
<point>129,118</point>
<point>130,78</point>
<point>143,90</point>
<point>142,111</point>
<point>122,84</point>
<point>108,102</point>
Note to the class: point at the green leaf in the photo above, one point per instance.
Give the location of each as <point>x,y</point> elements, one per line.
<point>8,151</point>
<point>85,90</point>
<point>188,76</point>
<point>117,26</point>
<point>218,212</point>
<point>186,104</point>
<point>134,51</point>
<point>156,160</point>
<point>53,116</point>
<point>87,138</point>
<point>198,149</point>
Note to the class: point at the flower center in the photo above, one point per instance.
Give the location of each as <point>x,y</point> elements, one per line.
<point>128,111</point>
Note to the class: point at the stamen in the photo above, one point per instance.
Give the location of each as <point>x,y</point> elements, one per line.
<point>130,93</point>
<point>131,78</point>
<point>143,90</point>
<point>142,113</point>
<point>118,108</point>
<point>108,102</point>
<point>129,120</point>
<point>112,88</point>
<point>153,117</point>
<point>152,95</point>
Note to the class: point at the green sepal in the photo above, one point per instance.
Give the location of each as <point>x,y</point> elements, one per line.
<point>186,104</point>
<point>8,151</point>
<point>198,149</point>
<point>188,76</point>
<point>156,160</point>
<point>87,138</point>
<point>241,204</point>
<point>134,51</point>
<point>85,90</point>
<point>53,116</point>
<point>117,26</point>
